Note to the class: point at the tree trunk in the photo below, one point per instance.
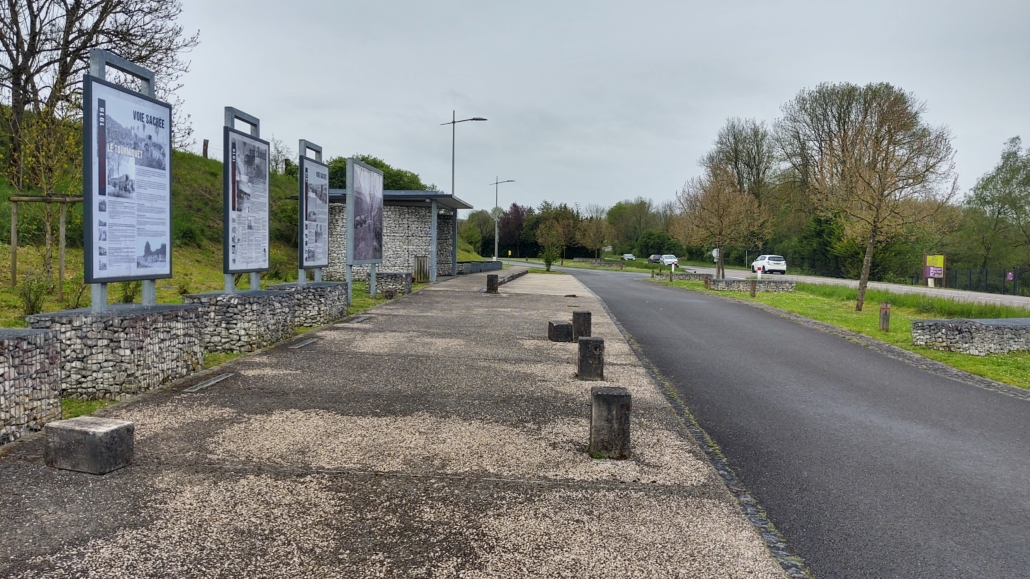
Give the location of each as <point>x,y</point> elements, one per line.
<point>720,269</point>
<point>867,263</point>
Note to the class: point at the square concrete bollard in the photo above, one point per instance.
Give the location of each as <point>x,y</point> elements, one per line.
<point>88,444</point>
<point>610,407</point>
<point>591,358</point>
<point>580,324</point>
<point>491,283</point>
<point>559,331</point>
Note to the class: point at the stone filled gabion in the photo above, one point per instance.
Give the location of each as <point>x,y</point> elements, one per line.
<point>244,321</point>
<point>400,281</point>
<point>316,304</point>
<point>762,285</point>
<point>125,350</point>
<point>976,337</point>
<point>30,385</point>
<point>691,277</point>
<point>406,235</point>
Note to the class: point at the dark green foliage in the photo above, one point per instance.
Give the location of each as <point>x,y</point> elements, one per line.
<point>129,291</point>
<point>652,242</point>
<point>550,255</point>
<point>393,179</point>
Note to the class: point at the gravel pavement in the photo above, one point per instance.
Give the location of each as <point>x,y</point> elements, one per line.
<point>440,436</point>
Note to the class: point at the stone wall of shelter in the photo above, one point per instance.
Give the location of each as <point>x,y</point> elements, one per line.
<point>744,285</point>
<point>316,304</point>
<point>467,267</point>
<point>406,235</point>
<point>126,350</point>
<point>976,337</point>
<point>244,321</point>
<point>30,387</point>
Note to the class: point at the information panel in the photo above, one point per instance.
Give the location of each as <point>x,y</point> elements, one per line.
<point>364,213</point>
<point>314,214</point>
<point>127,145</point>
<point>245,186</point>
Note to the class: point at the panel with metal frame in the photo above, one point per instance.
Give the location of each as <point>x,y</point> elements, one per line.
<point>305,163</point>
<point>228,268</point>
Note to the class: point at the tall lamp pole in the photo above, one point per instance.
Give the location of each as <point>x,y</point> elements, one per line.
<point>453,122</point>
<point>496,213</point>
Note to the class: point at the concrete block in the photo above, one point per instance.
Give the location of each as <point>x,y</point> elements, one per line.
<point>89,444</point>
<point>580,324</point>
<point>491,283</point>
<point>610,408</point>
<point>591,359</point>
<point>559,331</point>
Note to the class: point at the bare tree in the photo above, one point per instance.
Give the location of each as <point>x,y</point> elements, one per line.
<point>865,154</point>
<point>46,43</point>
<point>746,148</point>
<point>279,156</point>
<point>714,211</point>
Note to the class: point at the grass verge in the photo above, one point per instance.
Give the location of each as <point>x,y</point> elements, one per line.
<point>72,407</point>
<point>215,358</point>
<point>835,305</point>
<point>542,270</point>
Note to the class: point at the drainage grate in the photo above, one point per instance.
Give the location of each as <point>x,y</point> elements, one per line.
<point>299,345</point>
<point>206,383</point>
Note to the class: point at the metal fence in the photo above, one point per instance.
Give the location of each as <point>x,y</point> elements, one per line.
<point>1012,281</point>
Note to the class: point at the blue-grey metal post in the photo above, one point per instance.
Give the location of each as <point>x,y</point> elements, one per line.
<point>454,242</point>
<point>231,116</point>
<point>98,62</point>
<point>432,241</point>
<point>303,146</point>
<point>372,279</point>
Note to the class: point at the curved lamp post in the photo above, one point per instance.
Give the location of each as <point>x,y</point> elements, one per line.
<point>453,122</point>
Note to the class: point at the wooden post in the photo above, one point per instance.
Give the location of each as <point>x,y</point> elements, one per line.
<point>205,148</point>
<point>60,273</point>
<point>885,316</point>
<point>754,287</point>
<point>14,243</point>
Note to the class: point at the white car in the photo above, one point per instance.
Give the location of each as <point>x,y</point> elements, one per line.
<point>769,264</point>
<point>629,257</point>
<point>670,260</point>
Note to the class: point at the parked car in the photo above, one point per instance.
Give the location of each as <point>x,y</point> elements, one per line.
<point>769,264</point>
<point>655,258</point>
<point>669,260</point>
<point>628,257</point>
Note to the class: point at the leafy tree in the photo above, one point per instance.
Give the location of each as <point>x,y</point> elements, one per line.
<point>652,242</point>
<point>865,154</point>
<point>484,225</point>
<point>469,232</point>
<point>512,226</point>
<point>1001,201</point>
<point>393,179</point>
<point>594,232</point>
<point>630,219</point>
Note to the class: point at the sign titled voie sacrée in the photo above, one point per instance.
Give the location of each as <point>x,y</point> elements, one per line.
<point>128,201</point>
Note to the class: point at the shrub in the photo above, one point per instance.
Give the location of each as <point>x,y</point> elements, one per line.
<point>130,291</point>
<point>33,290</point>
<point>550,255</point>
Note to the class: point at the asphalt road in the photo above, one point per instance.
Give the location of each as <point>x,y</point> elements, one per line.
<point>868,466</point>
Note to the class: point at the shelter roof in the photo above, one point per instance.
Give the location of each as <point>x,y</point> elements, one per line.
<point>408,198</point>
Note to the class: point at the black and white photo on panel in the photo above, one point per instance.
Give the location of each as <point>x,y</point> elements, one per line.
<point>147,256</point>
<point>251,170</point>
<point>368,214</point>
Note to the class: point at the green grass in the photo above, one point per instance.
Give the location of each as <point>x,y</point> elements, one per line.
<point>542,270</point>
<point>217,358</point>
<point>835,305</point>
<point>71,407</point>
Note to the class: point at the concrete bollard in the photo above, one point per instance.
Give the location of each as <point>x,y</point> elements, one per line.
<point>89,444</point>
<point>559,331</point>
<point>591,359</point>
<point>491,283</point>
<point>610,408</point>
<point>580,324</point>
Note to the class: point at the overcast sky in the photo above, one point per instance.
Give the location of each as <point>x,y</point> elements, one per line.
<point>588,101</point>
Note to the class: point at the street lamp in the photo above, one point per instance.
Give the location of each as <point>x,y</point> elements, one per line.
<point>496,213</point>
<point>452,123</point>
